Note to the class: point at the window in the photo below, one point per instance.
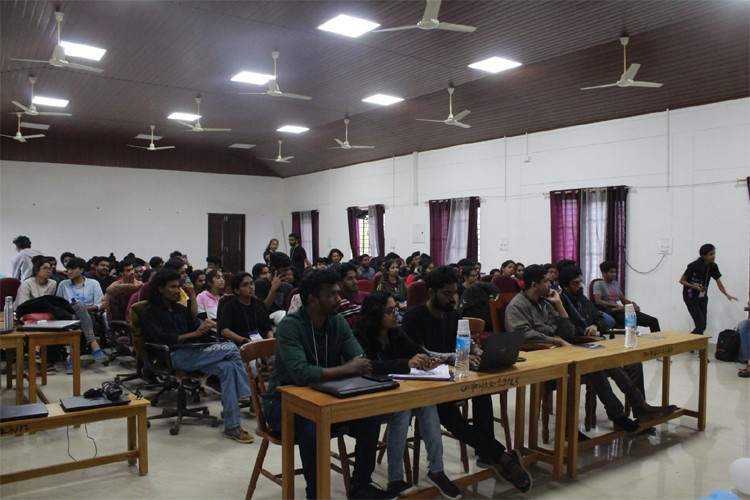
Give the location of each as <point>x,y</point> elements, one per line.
<point>479,239</point>
<point>363,227</point>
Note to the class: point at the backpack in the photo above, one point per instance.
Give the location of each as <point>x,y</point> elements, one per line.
<point>475,302</point>
<point>728,346</point>
<point>57,306</point>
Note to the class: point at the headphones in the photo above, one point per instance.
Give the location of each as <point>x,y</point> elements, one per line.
<point>111,390</point>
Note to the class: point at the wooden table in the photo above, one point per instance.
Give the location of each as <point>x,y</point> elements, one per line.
<point>615,354</point>
<point>14,341</point>
<point>44,339</point>
<point>325,410</point>
<point>137,438</point>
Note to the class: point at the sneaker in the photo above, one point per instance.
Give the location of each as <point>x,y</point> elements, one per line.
<point>213,385</point>
<point>401,487</point>
<point>489,464</point>
<point>626,424</point>
<point>69,368</point>
<point>371,491</point>
<point>99,356</point>
<point>239,434</point>
<point>445,485</point>
<point>51,369</point>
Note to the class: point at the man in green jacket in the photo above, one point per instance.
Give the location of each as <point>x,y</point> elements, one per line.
<point>310,346</point>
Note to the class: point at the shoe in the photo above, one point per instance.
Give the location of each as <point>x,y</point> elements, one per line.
<point>626,424</point>
<point>239,434</point>
<point>213,385</point>
<point>401,487</point>
<point>51,369</point>
<point>649,412</point>
<point>370,491</point>
<point>69,368</point>
<point>744,373</point>
<point>445,485</point>
<point>99,356</point>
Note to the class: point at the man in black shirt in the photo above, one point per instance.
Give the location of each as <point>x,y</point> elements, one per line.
<point>298,254</point>
<point>434,325</point>
<point>244,318</point>
<point>275,288</point>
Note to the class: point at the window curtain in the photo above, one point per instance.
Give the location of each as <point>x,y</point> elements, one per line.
<point>614,250</point>
<point>472,244</point>
<point>458,230</point>
<point>307,225</point>
<point>376,214</point>
<point>351,215</point>
<point>439,217</point>
<point>593,231</point>
<point>564,218</point>
<point>296,229</point>
<point>315,230</point>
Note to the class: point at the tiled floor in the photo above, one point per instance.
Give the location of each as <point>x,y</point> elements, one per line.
<point>678,462</point>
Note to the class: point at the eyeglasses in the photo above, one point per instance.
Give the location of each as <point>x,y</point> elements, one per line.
<point>390,311</point>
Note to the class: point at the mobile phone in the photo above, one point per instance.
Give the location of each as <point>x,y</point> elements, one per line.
<point>378,378</point>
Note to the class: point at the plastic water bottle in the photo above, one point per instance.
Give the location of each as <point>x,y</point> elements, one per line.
<point>463,345</point>
<point>631,326</point>
<point>8,311</point>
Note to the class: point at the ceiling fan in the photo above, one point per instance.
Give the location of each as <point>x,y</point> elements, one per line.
<point>58,54</point>
<point>151,146</point>
<point>273,86</point>
<point>19,136</point>
<point>628,73</point>
<point>345,143</point>
<point>430,21</point>
<point>197,127</point>
<point>451,120</point>
<point>31,109</point>
<point>279,159</point>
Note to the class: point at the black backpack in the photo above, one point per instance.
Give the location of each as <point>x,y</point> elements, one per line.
<point>728,346</point>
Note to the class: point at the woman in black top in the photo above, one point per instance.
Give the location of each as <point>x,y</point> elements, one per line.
<point>695,282</point>
<point>244,318</point>
<point>273,246</point>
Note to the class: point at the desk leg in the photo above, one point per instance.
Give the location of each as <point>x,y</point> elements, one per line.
<point>534,416</point>
<point>142,428</point>
<point>666,366</point>
<point>131,438</point>
<point>559,444</point>
<point>32,372</point>
<point>702,389</point>
<point>287,451</point>
<point>323,434</point>
<point>77,367</point>
<point>17,354</point>
<point>43,368</point>
<point>574,391</point>
<point>520,419</point>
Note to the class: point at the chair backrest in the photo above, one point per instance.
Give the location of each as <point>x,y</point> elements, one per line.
<point>476,325</point>
<point>295,291</point>
<point>223,300</point>
<point>118,297</point>
<point>591,289</point>
<point>139,341</point>
<point>416,294</point>
<point>487,278</point>
<point>364,286</point>
<point>143,292</point>
<point>228,283</point>
<point>252,354</point>
<point>376,280</point>
<point>497,311</point>
<point>506,284</point>
<point>8,288</point>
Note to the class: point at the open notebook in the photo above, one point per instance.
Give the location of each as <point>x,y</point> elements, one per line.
<point>440,372</point>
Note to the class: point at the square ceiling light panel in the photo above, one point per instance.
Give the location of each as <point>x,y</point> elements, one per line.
<point>184,116</point>
<point>293,129</point>
<point>242,146</point>
<point>148,137</point>
<point>253,78</point>
<point>83,51</point>
<point>494,65</point>
<point>352,27</point>
<point>49,101</point>
<point>382,99</point>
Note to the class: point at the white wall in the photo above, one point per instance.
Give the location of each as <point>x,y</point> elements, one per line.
<point>683,188</point>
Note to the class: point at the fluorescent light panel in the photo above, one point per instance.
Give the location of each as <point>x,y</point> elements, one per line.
<point>495,64</point>
<point>293,129</point>
<point>382,99</point>
<point>250,77</point>
<point>39,126</point>
<point>184,116</point>
<point>352,27</point>
<point>49,101</point>
<point>239,145</point>
<point>83,51</point>
<point>148,137</point>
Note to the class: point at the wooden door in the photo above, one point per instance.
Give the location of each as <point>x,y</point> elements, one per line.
<point>226,238</point>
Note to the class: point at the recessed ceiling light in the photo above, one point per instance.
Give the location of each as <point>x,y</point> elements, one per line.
<point>148,137</point>
<point>494,64</point>
<point>48,101</point>
<point>242,146</point>
<point>382,99</point>
<point>40,126</point>
<point>348,26</point>
<point>250,77</point>
<point>184,116</point>
<point>83,51</point>
<point>294,129</point>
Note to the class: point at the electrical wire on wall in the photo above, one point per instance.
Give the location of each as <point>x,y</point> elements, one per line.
<point>650,270</point>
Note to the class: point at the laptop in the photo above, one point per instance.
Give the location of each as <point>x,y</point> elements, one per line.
<point>354,386</point>
<point>80,403</point>
<point>51,326</point>
<point>9,413</point>
<point>501,351</point>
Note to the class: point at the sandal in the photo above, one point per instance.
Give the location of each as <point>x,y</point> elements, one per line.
<point>513,471</point>
<point>744,373</point>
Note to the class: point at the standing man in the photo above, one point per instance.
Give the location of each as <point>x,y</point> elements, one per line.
<point>21,263</point>
<point>297,254</point>
<point>364,271</point>
<point>607,293</point>
<point>351,298</point>
<point>312,344</point>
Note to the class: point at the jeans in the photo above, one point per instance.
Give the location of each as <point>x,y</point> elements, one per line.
<point>612,404</point>
<point>609,321</point>
<point>366,432</point>
<point>643,320</point>
<point>744,330</point>
<point>698,309</point>
<point>224,361</point>
<point>480,435</point>
<point>87,326</point>
<point>398,427</point>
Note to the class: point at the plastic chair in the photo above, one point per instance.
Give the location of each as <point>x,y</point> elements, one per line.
<point>416,294</point>
<point>364,286</point>
<point>506,284</point>
<point>8,287</point>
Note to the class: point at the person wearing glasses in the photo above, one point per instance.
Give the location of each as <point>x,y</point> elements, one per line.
<point>244,318</point>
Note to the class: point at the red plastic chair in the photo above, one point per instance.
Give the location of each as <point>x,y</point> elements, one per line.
<point>8,288</point>
<point>289,298</point>
<point>416,294</point>
<point>364,286</point>
<point>487,278</point>
<point>591,289</point>
<point>376,280</point>
<point>506,284</point>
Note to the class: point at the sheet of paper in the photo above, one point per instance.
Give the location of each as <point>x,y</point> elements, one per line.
<point>440,372</point>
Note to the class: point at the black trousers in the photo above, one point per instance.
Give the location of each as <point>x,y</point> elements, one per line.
<point>642,318</point>
<point>698,309</point>
<point>480,434</point>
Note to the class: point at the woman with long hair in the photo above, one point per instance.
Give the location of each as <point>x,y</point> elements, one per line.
<point>273,246</point>
<point>392,351</point>
<point>198,278</point>
<point>208,299</point>
<point>392,283</point>
<point>39,284</point>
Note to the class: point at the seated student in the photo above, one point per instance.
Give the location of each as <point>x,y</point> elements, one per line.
<point>128,274</point>
<point>260,271</point>
<point>56,275</point>
<point>85,296</point>
<point>198,279</point>
<point>213,262</point>
<point>508,268</point>
<point>350,297</point>
<point>469,276</point>
<point>275,289</point>
<point>40,283</point>
<point>364,271</point>
<point>315,344</point>
<point>392,351</point>
<point>208,300</point>
<point>101,273</point>
<point>607,293</point>
<point>434,325</point>
<point>426,266</point>
<point>64,258</point>
<point>187,291</point>
<point>334,257</point>
<point>138,269</point>
<point>244,318</point>
<point>518,275</point>
<point>743,329</point>
<point>320,263</point>
<point>495,272</point>
<point>392,283</point>
<point>156,263</point>
<point>165,321</point>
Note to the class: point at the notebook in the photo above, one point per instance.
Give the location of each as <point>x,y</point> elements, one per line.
<point>439,373</point>
<point>8,413</point>
<point>51,326</point>
<point>79,403</point>
<point>354,386</point>
<point>500,351</point>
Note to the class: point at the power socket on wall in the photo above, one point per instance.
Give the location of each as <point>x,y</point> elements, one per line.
<point>664,246</point>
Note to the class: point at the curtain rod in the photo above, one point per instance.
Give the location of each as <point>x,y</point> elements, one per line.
<point>590,190</point>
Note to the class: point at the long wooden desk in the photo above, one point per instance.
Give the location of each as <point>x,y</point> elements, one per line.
<point>137,438</point>
<point>325,410</point>
<point>44,339</point>
<point>583,361</point>
<point>14,341</point>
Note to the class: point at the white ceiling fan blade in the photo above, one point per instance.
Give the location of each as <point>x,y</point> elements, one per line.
<point>285,159</point>
<point>134,146</point>
<point>431,10</point>
<point>52,113</point>
<point>600,86</point>
<point>650,85</point>
<point>339,141</point>
<point>294,96</point>
<point>84,67</point>
<point>253,93</point>
<point>433,121</point>
<point>456,27</point>
<point>6,135</point>
<point>188,125</point>
<point>362,147</point>
<point>461,115</point>
<point>160,147</point>
<point>400,28</point>
<point>337,147</point>
<point>459,124</point>
<point>630,72</point>
<point>28,60</point>
<point>35,136</point>
<point>217,129</point>
<point>18,104</point>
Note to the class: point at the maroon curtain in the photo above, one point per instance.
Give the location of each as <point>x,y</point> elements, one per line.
<point>565,209</point>
<point>380,213</point>
<point>296,226</point>
<point>440,211</point>
<point>472,246</point>
<point>315,219</point>
<point>351,215</point>
<point>614,244</point>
